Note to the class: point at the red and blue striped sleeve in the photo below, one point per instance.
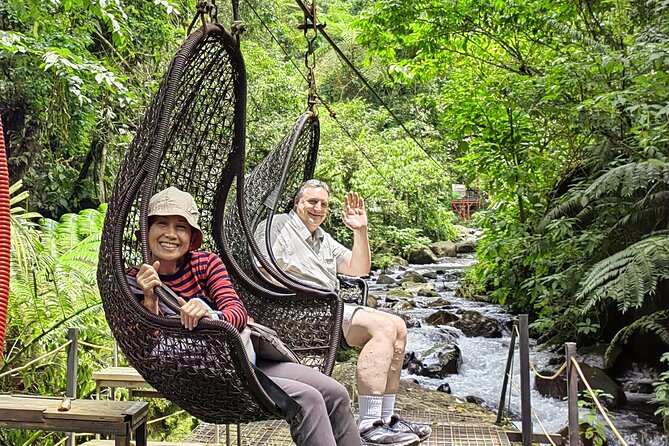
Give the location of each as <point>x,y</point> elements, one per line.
<point>220,290</point>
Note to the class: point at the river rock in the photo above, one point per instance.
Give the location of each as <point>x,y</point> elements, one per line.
<point>593,355</point>
<point>402,305</point>
<point>439,302</point>
<point>475,400</point>
<point>445,387</point>
<point>385,279</point>
<point>412,277</point>
<point>473,323</point>
<point>420,289</point>
<point>437,362</point>
<point>430,275</point>
<point>395,295</point>
<point>598,379</point>
<point>444,249</point>
<point>411,321</point>
<point>441,317</point>
<point>420,254</point>
<point>465,246</point>
<point>372,300</point>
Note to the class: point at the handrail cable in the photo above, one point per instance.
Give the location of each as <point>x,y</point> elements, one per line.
<point>333,115</point>
<point>179,412</point>
<point>341,54</point>
<point>593,395</point>
<point>28,364</point>
<point>536,415</point>
<point>536,372</point>
<point>100,347</point>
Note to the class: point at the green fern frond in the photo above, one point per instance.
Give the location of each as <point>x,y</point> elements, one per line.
<point>627,276</point>
<point>89,221</point>
<point>656,323</point>
<point>629,179</point>
<point>567,209</point>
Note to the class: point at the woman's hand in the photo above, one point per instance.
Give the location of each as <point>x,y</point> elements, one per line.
<point>192,311</point>
<point>148,279</point>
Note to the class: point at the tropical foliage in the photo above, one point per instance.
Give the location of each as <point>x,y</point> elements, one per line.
<point>556,111</point>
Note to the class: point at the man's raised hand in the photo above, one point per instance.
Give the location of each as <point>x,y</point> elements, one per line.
<point>354,215</point>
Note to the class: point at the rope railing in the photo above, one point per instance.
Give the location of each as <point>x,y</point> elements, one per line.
<point>562,368</point>
<point>574,372</point>
<point>536,416</point>
<point>99,347</point>
<point>179,412</point>
<point>594,397</point>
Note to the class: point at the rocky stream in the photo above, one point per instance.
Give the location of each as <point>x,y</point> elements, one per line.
<point>461,346</point>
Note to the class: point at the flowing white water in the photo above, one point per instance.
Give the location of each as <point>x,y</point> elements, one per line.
<point>484,362</point>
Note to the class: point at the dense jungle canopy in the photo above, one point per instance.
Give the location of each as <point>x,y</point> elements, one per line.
<point>557,112</point>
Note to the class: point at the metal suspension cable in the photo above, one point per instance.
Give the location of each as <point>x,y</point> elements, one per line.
<point>333,115</point>
<point>341,54</point>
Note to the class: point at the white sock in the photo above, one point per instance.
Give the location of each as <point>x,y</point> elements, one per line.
<point>388,408</point>
<point>370,410</point>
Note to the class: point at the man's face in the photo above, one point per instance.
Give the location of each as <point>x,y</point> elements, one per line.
<point>312,208</point>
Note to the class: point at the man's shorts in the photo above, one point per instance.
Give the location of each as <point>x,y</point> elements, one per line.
<point>349,311</point>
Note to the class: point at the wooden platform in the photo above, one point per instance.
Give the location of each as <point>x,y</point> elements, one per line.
<point>448,429</point>
<point>118,418</point>
<point>126,377</point>
<point>150,443</point>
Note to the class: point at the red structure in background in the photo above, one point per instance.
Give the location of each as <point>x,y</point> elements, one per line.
<point>466,207</point>
<point>5,244</point>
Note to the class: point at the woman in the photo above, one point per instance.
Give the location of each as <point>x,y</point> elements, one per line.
<point>201,281</point>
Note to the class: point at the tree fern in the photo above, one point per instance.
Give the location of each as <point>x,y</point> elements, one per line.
<point>54,282</point>
<point>629,179</point>
<point>627,276</point>
<point>656,323</point>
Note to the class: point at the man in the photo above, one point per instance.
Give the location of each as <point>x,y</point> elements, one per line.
<point>310,254</point>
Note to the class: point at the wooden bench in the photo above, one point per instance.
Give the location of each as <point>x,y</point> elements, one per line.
<point>117,418</point>
<point>127,377</point>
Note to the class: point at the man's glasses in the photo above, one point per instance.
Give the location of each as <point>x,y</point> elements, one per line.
<point>314,203</point>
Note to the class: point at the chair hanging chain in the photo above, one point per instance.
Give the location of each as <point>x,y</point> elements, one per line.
<point>310,25</point>
<point>204,8</point>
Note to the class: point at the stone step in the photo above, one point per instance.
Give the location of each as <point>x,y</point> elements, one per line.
<point>149,443</point>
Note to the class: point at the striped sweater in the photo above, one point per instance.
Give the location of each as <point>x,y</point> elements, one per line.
<point>204,276</point>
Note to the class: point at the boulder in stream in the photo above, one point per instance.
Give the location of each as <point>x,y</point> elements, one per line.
<point>438,362</point>
<point>420,254</point>
<point>412,277</point>
<point>441,317</point>
<point>473,323</point>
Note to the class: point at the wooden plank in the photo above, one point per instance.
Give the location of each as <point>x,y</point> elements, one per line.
<point>95,410</point>
<point>145,393</point>
<point>114,377</point>
<point>31,415</point>
<point>118,374</point>
<point>517,437</point>
<point>90,410</point>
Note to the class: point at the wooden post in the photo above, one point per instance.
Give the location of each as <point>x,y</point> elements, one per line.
<point>505,382</point>
<point>525,402</point>
<point>72,364</point>
<point>239,434</point>
<point>572,394</point>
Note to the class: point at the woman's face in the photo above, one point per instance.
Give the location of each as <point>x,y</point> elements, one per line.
<point>169,237</point>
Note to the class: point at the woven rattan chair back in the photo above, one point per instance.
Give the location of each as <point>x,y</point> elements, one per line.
<point>191,137</point>
<point>269,187</point>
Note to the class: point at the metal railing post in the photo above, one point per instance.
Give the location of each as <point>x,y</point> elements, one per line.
<point>572,394</point>
<point>525,402</point>
<point>72,363</point>
<point>505,383</point>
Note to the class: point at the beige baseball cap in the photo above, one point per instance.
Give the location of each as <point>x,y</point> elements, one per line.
<point>172,201</point>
